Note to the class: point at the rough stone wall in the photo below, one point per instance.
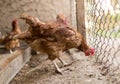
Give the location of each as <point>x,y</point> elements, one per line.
<point>44,9</point>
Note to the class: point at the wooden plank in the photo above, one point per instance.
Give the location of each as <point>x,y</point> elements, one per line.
<point>73,13</point>
<point>12,64</point>
<point>80,13</point>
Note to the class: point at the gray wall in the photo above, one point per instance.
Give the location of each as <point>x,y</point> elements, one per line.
<point>44,9</point>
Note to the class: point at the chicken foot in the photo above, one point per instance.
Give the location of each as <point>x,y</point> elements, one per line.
<point>64,64</point>
<point>58,70</point>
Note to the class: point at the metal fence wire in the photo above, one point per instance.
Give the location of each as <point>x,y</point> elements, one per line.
<point>103,27</point>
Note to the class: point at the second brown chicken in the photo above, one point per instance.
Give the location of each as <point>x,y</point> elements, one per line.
<point>7,40</point>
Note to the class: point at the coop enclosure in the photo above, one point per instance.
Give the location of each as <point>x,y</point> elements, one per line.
<point>97,20</point>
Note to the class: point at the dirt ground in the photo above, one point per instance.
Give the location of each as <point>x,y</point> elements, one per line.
<point>39,70</point>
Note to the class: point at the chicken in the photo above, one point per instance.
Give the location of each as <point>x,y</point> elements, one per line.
<point>54,39</point>
<point>7,40</point>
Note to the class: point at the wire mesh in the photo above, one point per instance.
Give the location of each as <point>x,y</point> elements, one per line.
<point>103,27</point>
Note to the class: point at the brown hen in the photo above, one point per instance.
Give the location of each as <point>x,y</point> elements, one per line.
<point>54,38</point>
<point>7,40</point>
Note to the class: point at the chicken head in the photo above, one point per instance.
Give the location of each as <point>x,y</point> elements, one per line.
<point>90,52</point>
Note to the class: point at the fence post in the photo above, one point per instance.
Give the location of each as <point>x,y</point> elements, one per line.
<point>80,14</point>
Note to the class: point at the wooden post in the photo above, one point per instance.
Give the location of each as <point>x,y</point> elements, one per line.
<point>73,13</point>
<point>11,64</point>
<point>80,13</point>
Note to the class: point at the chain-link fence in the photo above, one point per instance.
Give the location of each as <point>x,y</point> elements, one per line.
<point>103,27</point>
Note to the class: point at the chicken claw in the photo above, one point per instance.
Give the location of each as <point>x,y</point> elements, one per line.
<point>64,64</point>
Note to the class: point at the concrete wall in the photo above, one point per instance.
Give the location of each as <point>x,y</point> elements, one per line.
<point>44,9</point>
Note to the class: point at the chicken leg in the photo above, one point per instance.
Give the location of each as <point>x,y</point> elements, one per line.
<point>58,70</point>
<point>64,64</point>
<point>11,52</point>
